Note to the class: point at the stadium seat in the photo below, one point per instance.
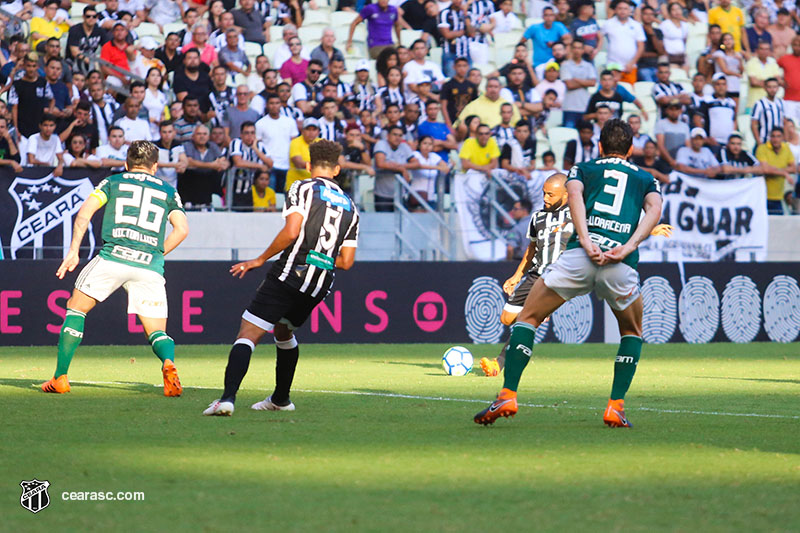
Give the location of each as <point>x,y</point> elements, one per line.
<point>174,27</point>
<point>503,55</point>
<point>276,33</point>
<point>643,90</point>
<point>678,75</point>
<point>318,17</point>
<point>600,61</point>
<point>348,77</point>
<point>503,40</point>
<point>310,35</point>
<point>485,68</point>
<point>148,28</point>
<point>697,29</point>
<point>436,55</point>
<point>76,10</point>
<point>269,50</point>
<point>555,119</point>
<point>343,19</point>
<point>600,11</point>
<point>409,36</point>
<point>743,124</point>
<point>558,138</point>
<point>530,21</point>
<point>252,50</point>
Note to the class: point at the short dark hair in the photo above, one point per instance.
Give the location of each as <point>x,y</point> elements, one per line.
<point>548,91</point>
<point>324,153</point>
<point>389,105</point>
<point>712,26</point>
<point>776,128</point>
<point>584,125</point>
<point>549,153</point>
<point>315,62</point>
<point>461,60</point>
<point>393,127</point>
<point>137,83</point>
<point>525,204</point>
<point>616,137</point>
<point>190,99</point>
<point>505,104</point>
<point>771,79</point>
<point>56,59</point>
<point>84,105</point>
<point>87,9</point>
<point>47,117</point>
<point>415,43</point>
<point>165,123</point>
<point>191,50</point>
<point>327,100</point>
<point>142,154</point>
<point>522,122</point>
<point>606,72</point>
<point>245,124</point>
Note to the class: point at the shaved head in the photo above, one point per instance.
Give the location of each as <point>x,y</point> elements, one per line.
<point>555,191</point>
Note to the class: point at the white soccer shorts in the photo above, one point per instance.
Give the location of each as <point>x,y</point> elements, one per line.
<point>574,274</point>
<point>147,295</point>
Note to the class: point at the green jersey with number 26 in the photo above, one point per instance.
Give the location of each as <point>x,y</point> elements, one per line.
<point>135,221</point>
<point>614,191</point>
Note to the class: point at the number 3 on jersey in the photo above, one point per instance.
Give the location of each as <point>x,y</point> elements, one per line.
<point>141,199</point>
<point>617,191</point>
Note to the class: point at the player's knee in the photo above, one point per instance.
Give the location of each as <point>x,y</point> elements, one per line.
<point>508,318</point>
<point>282,332</point>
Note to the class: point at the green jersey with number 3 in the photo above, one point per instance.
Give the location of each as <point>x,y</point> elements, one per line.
<point>136,216</point>
<point>613,191</point>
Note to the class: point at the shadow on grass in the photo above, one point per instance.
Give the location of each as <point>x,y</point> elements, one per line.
<point>29,384</point>
<point>764,380</point>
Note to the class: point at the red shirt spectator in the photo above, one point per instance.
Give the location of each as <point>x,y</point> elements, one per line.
<point>116,50</point>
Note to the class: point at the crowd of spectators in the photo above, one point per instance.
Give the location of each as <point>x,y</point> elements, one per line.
<point>233,93</point>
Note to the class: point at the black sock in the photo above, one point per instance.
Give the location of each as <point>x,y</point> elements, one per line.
<point>238,362</point>
<point>501,359</point>
<point>285,363</point>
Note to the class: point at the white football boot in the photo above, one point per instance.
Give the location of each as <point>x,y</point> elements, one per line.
<point>218,408</point>
<point>267,405</point>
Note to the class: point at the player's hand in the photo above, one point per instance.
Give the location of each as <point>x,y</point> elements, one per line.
<point>239,269</point>
<point>68,264</point>
<point>595,253</point>
<point>662,230</point>
<point>617,254</point>
<point>510,284</point>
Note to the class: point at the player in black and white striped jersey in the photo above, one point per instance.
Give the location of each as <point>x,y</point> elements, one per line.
<point>548,231</point>
<point>248,155</point>
<point>320,235</point>
<point>768,112</point>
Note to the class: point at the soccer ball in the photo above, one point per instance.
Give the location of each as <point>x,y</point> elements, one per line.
<point>457,361</point>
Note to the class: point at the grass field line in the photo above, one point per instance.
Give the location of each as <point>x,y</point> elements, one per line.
<point>470,400</point>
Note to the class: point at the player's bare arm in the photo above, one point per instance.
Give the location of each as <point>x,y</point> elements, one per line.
<point>87,210</point>
<point>346,257</point>
<point>283,239</point>
<point>652,214</point>
<point>180,230</point>
<point>524,266</point>
<point>577,209</point>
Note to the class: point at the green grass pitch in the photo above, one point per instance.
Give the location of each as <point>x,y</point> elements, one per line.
<point>382,440</point>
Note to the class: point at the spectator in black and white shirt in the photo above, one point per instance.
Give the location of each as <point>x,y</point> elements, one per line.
<point>480,14</point>
<point>335,70</point>
<point>504,131</point>
<point>768,112</point>
<point>665,91</point>
<point>305,93</point>
<point>171,156</point>
<point>248,155</point>
<point>331,128</point>
<point>454,26</point>
<point>721,113</point>
<point>737,162</point>
<point>583,149</point>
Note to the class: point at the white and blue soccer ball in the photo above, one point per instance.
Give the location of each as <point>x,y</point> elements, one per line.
<point>457,361</point>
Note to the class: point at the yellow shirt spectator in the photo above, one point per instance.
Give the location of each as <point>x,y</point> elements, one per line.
<point>298,147</point>
<point>761,71</point>
<point>46,29</point>
<point>488,110</point>
<point>730,20</point>
<point>781,159</point>
<point>266,202</point>
<point>477,154</point>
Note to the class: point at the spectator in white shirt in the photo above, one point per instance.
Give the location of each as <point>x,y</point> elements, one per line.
<point>421,68</point>
<point>44,148</point>
<point>675,31</point>
<point>276,131</point>
<point>113,154</point>
<point>134,128</point>
<point>505,21</point>
<point>622,31</point>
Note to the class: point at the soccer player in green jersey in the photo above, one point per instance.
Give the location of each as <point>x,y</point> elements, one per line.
<point>132,256</point>
<point>606,198</point>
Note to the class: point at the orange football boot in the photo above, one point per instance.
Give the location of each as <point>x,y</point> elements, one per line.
<point>615,415</point>
<point>504,405</point>
<point>490,367</point>
<point>172,384</point>
<point>58,385</point>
